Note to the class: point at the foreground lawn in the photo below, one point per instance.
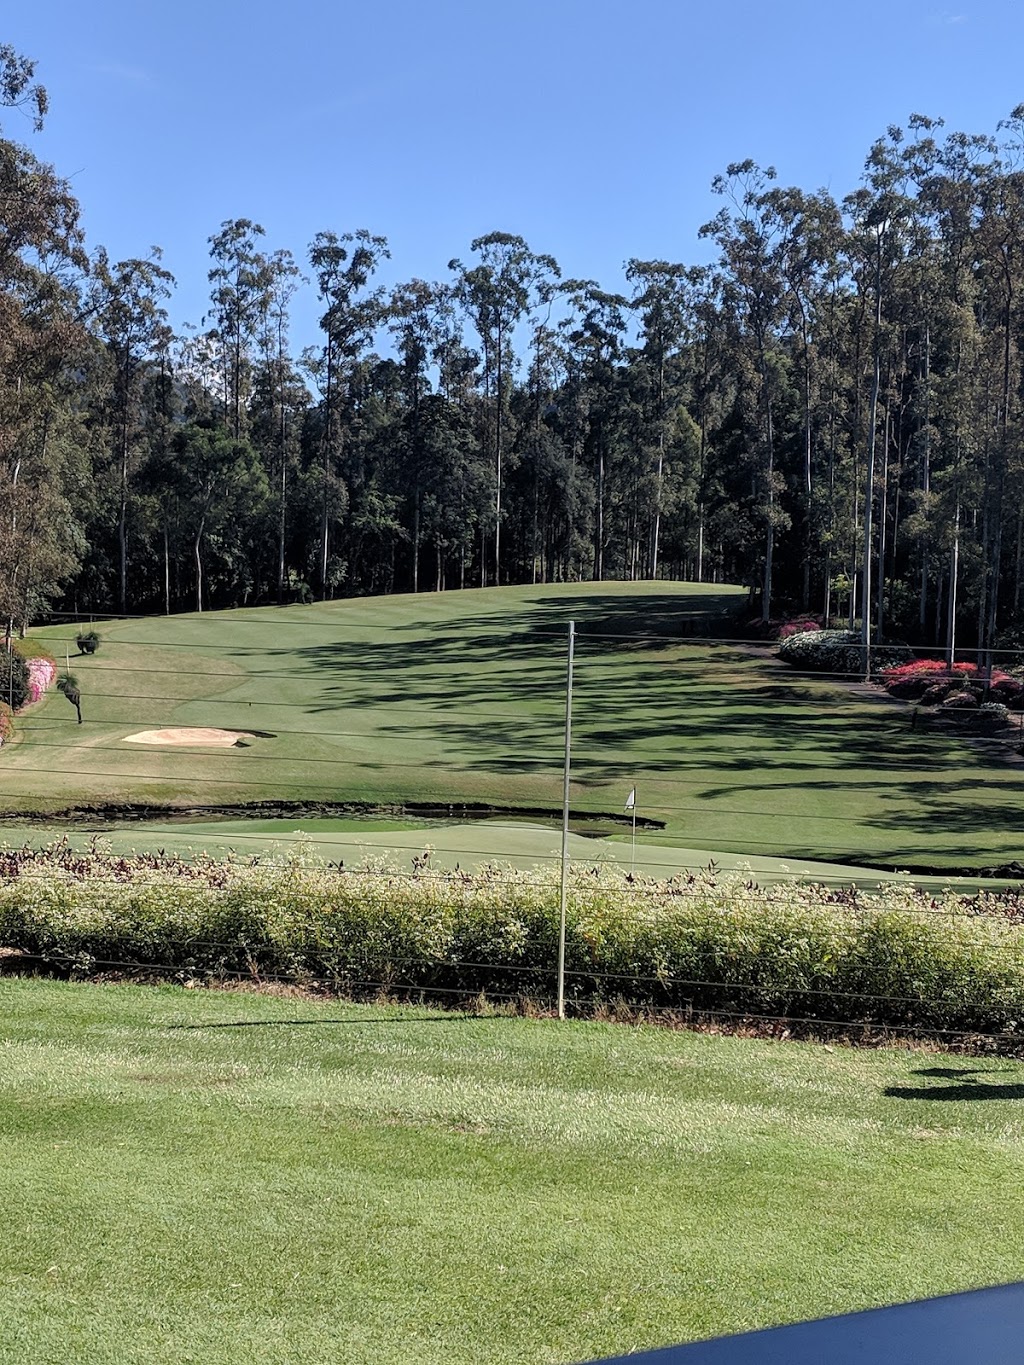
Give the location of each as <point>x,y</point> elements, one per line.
<point>459,697</point>
<point>228,1177</point>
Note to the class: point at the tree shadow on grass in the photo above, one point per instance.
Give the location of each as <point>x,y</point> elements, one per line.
<point>966,1087</point>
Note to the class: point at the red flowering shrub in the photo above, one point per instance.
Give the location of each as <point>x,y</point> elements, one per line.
<point>1007,690</point>
<point>911,681</point>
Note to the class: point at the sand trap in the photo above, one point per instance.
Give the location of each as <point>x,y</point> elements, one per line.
<point>220,739</point>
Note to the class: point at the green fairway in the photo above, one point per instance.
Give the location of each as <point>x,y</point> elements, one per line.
<point>459,698</point>
<point>232,1177</point>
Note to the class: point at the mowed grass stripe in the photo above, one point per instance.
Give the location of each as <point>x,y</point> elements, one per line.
<point>230,1177</point>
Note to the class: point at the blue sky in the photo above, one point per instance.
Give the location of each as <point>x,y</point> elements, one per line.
<point>591,128</point>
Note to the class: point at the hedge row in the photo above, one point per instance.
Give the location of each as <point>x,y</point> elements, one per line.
<point>702,943</point>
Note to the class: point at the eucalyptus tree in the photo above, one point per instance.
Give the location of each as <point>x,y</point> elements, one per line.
<point>42,262</point>
<point>537,490</point>
<point>131,321</point>
<point>279,396</point>
<point>1000,259</point>
<point>342,267</point>
<point>662,298</point>
<point>497,293</point>
<point>595,335</point>
<point>222,488</point>
<point>807,234</point>
<point>748,236</point>
<point>883,217</point>
<point>712,378</point>
<point>242,283</point>
<point>19,90</point>
<point>419,319</point>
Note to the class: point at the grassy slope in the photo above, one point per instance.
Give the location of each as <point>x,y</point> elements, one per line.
<point>324,1182</point>
<point>460,696</point>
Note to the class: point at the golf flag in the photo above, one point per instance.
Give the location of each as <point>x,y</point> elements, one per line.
<point>630,800</point>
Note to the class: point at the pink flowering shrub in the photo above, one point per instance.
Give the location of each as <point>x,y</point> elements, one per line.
<point>42,673</point>
<point>799,627</point>
<point>781,628</point>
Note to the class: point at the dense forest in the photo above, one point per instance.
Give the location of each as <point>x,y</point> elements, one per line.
<point>831,412</point>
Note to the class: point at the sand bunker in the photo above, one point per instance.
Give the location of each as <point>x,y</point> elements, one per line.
<point>220,739</point>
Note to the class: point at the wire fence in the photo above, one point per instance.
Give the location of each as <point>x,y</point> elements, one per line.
<point>867,1017</point>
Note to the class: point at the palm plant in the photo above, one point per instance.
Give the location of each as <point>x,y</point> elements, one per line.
<point>68,684</point>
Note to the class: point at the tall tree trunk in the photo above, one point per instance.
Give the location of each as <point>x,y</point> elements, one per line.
<point>197,551</point>
<point>869,485</point>
<point>282,492</point>
<point>416,542</point>
<point>122,520</point>
<point>167,570</point>
<point>328,439</point>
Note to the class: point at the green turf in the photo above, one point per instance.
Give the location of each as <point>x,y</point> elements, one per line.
<point>468,844</point>
<point>231,1177</point>
<point>459,697</point>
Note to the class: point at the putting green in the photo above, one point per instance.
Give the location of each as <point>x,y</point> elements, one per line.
<point>458,698</point>
<point>469,845</point>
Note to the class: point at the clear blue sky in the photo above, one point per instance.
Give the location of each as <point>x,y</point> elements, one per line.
<point>591,128</point>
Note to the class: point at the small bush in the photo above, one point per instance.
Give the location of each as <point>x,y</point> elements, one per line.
<point>960,701</point>
<point>838,651</point>
<point>992,716</point>
<point>938,692</point>
<point>6,722</point>
<point>13,679</point>
<point>1008,691</point>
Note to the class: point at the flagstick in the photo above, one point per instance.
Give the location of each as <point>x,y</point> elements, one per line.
<point>565,825</point>
<point>632,851</point>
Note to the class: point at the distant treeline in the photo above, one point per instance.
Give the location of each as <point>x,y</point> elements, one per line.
<point>830,413</point>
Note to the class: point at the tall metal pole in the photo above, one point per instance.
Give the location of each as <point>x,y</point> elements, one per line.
<point>565,824</point>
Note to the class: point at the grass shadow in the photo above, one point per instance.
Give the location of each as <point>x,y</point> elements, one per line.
<point>965,1087</point>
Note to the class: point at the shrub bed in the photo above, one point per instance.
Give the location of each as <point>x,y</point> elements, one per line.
<point>933,681</point>
<point>703,943</point>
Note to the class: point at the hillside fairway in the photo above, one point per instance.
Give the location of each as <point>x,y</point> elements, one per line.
<point>458,698</point>
<point>232,1177</point>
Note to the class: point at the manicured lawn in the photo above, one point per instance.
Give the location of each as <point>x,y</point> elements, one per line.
<point>229,1177</point>
<point>459,697</point>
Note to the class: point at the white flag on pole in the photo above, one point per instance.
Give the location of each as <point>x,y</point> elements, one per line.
<point>630,800</point>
